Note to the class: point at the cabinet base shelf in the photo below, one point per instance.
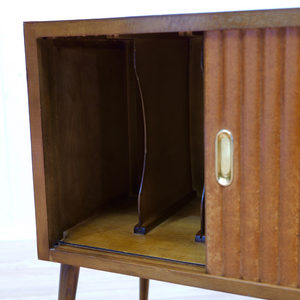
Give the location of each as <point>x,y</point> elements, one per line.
<point>111,230</point>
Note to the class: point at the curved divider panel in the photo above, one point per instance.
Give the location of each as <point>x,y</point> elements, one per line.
<point>162,67</point>
<point>136,133</point>
<point>197,126</point>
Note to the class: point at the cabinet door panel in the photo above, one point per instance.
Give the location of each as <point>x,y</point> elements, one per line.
<point>252,89</point>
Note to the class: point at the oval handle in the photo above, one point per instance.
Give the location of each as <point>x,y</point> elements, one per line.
<point>224,157</point>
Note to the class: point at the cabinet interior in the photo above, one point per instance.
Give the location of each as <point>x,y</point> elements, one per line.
<point>123,138</point>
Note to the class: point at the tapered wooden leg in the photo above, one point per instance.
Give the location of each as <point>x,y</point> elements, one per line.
<point>68,282</point>
<point>144,288</point>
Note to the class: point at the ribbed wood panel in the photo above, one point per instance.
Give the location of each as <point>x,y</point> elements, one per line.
<point>212,120</point>
<point>231,119</point>
<point>250,153</point>
<point>252,88</point>
<point>270,154</point>
<point>289,161</point>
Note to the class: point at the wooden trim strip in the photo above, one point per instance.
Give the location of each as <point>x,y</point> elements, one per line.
<point>36,141</point>
<point>168,272</point>
<point>171,23</point>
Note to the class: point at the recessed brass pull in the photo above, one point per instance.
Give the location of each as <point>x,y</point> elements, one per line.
<point>224,157</point>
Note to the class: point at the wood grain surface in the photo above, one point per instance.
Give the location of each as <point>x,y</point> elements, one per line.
<point>68,281</point>
<point>171,23</point>
<point>32,69</point>
<point>144,289</point>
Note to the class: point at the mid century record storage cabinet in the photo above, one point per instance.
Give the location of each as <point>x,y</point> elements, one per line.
<point>129,117</point>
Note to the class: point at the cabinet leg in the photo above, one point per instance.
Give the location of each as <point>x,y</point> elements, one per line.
<point>68,282</point>
<point>144,288</point>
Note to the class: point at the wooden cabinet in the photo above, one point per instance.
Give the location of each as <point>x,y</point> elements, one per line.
<point>124,116</point>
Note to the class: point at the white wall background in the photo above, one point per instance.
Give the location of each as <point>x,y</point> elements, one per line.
<point>16,187</point>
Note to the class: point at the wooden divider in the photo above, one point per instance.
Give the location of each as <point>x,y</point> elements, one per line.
<point>162,67</point>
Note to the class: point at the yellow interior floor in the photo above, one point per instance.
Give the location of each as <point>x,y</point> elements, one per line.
<point>112,229</point>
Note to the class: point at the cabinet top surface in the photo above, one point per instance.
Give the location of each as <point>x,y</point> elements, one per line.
<point>169,23</point>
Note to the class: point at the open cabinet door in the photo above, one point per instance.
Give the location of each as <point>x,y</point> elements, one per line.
<point>252,88</point>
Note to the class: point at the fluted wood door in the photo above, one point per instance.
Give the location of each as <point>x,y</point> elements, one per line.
<point>252,89</point>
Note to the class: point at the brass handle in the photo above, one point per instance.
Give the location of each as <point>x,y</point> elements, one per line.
<point>224,157</point>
